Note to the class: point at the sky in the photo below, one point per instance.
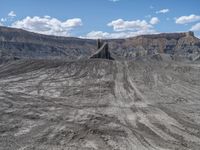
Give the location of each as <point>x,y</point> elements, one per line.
<point>101,18</point>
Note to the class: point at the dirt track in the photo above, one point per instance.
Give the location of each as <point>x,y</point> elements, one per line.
<point>99,104</point>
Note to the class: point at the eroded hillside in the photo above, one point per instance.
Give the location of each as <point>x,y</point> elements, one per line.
<point>99,104</point>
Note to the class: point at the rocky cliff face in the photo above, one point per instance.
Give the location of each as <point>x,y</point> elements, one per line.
<point>16,43</point>
<point>177,44</point>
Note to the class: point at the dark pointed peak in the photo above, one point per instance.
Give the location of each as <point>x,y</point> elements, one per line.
<point>103,51</point>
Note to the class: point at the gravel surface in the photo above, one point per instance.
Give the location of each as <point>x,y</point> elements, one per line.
<point>99,104</point>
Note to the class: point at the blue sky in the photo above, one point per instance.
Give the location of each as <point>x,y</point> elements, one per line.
<point>101,18</point>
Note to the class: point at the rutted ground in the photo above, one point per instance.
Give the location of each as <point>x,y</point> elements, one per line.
<point>99,104</point>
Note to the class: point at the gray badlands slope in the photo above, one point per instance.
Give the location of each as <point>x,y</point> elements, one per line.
<point>142,103</point>
<point>99,104</point>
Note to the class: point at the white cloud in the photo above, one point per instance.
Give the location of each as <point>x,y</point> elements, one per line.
<point>187,19</point>
<point>162,11</point>
<point>9,17</point>
<point>195,27</point>
<point>12,14</point>
<point>48,25</point>
<point>125,29</point>
<point>1,24</point>
<point>3,19</point>
<point>116,35</point>
<point>47,16</point>
<point>135,25</point>
<point>114,0</point>
<point>97,34</point>
<point>154,20</point>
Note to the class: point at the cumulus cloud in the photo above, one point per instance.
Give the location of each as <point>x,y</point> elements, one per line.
<point>3,19</point>
<point>116,35</point>
<point>162,11</point>
<point>125,29</point>
<point>9,17</point>
<point>1,24</point>
<point>97,34</point>
<point>154,20</point>
<point>48,25</point>
<point>195,27</point>
<point>12,14</point>
<point>187,19</point>
<point>135,25</point>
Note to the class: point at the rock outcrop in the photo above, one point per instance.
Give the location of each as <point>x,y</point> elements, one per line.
<point>178,44</point>
<point>103,51</point>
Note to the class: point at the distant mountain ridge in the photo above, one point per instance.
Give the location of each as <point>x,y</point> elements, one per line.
<point>20,44</point>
